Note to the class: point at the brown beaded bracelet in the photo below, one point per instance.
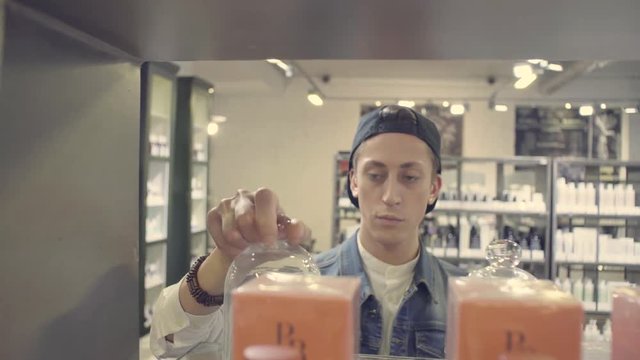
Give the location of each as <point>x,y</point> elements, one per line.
<point>201,296</point>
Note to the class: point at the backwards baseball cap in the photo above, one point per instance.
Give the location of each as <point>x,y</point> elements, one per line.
<point>395,119</point>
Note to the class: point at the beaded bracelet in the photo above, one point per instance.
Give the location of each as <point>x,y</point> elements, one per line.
<point>201,296</point>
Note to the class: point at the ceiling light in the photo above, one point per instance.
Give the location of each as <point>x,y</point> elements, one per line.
<point>525,81</point>
<point>445,104</point>
<point>212,128</point>
<point>500,107</point>
<point>534,61</point>
<point>567,106</point>
<point>586,110</point>
<point>218,119</point>
<point>522,70</point>
<point>555,67</point>
<point>288,70</point>
<point>407,103</point>
<point>457,109</point>
<point>603,106</point>
<point>631,110</point>
<point>315,98</point>
<point>211,90</point>
<point>378,103</point>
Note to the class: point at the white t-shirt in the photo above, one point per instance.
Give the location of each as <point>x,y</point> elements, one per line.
<point>389,284</point>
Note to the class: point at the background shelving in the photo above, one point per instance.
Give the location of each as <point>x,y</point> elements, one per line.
<point>157,143</point>
<point>190,190</point>
<point>596,227</point>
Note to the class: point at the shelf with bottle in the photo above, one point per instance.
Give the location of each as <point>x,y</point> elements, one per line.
<point>581,199</point>
<point>469,241</point>
<point>154,268</point>
<point>595,298</point>
<point>155,229</point>
<point>198,188</point>
<point>198,216</point>
<point>586,245</point>
<point>198,152</point>
<point>159,148</point>
<point>522,202</point>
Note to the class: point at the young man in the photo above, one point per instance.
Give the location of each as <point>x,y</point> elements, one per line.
<point>394,180</point>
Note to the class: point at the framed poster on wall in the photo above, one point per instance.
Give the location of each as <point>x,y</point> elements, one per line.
<point>557,131</point>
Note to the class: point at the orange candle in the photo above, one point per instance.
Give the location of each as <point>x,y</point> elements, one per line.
<point>317,315</point>
<point>512,319</point>
<point>625,324</point>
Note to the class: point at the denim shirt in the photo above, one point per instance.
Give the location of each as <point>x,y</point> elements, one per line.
<point>420,324</point>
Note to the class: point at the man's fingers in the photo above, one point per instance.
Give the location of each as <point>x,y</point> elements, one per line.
<point>297,232</point>
<point>245,219</point>
<point>266,208</point>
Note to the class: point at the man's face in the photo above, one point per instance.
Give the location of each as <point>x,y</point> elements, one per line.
<point>394,181</point>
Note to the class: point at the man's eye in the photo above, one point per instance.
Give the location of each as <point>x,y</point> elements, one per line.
<point>374,177</point>
<point>410,178</point>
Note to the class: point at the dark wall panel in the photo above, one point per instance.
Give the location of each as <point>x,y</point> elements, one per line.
<point>69,135</point>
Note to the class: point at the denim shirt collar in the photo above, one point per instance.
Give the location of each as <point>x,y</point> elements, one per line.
<point>350,264</point>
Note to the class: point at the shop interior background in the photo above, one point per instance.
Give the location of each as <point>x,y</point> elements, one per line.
<point>70,112</point>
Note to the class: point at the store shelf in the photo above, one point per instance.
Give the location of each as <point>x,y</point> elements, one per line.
<point>586,263</point>
<point>160,117</point>
<point>159,158</point>
<point>200,163</point>
<point>597,312</point>
<point>198,229</point>
<point>482,258</point>
<point>156,238</point>
<point>447,208</point>
<point>154,203</point>
<point>605,216</point>
<point>198,198</point>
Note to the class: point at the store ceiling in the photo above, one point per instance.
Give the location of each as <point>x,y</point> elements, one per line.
<point>427,79</point>
<point>170,30</point>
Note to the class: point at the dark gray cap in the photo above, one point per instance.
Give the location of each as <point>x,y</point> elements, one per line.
<point>395,119</point>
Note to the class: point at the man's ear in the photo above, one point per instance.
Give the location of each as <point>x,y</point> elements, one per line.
<point>436,185</point>
<point>353,182</point>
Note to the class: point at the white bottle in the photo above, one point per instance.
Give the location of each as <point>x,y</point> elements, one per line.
<point>619,202</point>
<point>153,142</point>
<point>606,330</point>
<point>572,197</point>
<point>568,245</point>
<point>578,289</point>
<point>588,290</point>
<point>164,147</point>
<point>610,198</point>
<point>591,199</point>
<point>560,252</point>
<point>630,196</point>
<point>603,293</point>
<point>465,235</point>
<point>581,195</point>
<point>566,286</point>
<point>561,185</point>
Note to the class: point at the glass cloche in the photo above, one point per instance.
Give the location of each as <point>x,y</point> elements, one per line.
<point>257,260</point>
<point>503,256</point>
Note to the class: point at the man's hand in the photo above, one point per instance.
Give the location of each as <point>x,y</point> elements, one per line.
<point>252,217</point>
<point>247,217</point>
